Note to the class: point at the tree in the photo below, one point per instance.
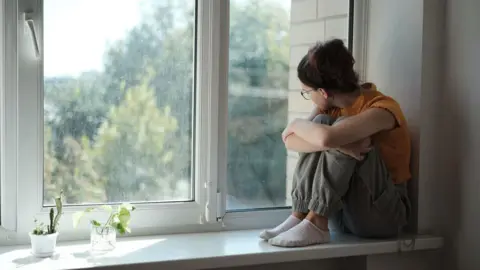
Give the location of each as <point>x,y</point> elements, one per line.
<point>259,44</point>
<point>72,172</point>
<point>130,151</point>
<point>164,42</point>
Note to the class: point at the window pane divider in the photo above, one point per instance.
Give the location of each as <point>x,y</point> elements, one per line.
<point>212,78</point>
<point>224,32</point>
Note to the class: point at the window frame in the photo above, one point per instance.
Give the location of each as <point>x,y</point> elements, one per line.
<point>8,99</point>
<point>25,144</point>
<point>25,151</point>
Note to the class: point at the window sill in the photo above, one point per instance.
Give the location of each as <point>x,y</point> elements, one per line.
<point>203,250</point>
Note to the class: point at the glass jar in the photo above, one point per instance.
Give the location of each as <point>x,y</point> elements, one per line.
<point>103,238</point>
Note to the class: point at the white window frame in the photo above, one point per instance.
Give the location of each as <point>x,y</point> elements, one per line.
<point>8,194</point>
<point>24,140</point>
<point>360,36</point>
<point>22,154</point>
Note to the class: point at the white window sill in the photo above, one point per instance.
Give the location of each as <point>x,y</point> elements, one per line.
<point>203,250</point>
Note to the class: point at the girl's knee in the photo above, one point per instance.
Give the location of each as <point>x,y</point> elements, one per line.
<point>324,119</point>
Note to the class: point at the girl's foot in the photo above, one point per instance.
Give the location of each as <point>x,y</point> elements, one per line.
<point>289,223</point>
<point>304,234</point>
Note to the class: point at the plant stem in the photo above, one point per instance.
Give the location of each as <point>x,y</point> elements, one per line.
<point>108,222</point>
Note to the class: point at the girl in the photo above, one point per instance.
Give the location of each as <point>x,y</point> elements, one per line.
<point>354,155</point>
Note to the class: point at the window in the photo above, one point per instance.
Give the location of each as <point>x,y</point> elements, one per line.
<point>118,108</point>
<point>108,106</point>
<point>176,106</point>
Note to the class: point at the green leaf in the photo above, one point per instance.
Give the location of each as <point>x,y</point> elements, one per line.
<point>115,219</point>
<point>127,206</point>
<point>58,203</point>
<point>95,223</point>
<point>120,228</point>
<point>78,216</point>
<point>107,208</point>
<point>124,216</point>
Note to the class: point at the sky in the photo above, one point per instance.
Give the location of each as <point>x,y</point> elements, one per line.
<point>76,32</point>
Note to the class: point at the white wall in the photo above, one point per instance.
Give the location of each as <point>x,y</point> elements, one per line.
<point>394,62</point>
<point>404,59</point>
<point>428,56</point>
<point>459,122</point>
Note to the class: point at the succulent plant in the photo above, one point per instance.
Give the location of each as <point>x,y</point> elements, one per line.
<point>54,219</point>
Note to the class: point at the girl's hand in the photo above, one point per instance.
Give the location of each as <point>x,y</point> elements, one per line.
<point>358,149</point>
<point>288,130</point>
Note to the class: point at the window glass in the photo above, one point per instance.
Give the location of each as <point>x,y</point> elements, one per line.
<point>118,92</point>
<point>257,103</point>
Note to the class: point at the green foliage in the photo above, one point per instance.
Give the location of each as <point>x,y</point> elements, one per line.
<point>259,44</point>
<point>119,218</point>
<point>71,171</point>
<point>130,148</point>
<point>40,228</point>
<point>54,219</point>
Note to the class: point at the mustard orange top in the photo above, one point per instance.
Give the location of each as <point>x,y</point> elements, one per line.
<point>394,145</point>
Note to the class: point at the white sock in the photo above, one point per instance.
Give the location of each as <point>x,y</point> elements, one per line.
<point>304,234</point>
<point>289,223</point>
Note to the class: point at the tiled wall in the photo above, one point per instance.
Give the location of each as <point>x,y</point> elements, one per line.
<point>312,21</point>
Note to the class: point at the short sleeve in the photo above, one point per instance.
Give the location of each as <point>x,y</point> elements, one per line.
<point>334,112</point>
<point>389,104</point>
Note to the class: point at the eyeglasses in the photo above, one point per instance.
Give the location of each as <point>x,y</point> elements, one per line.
<point>306,94</point>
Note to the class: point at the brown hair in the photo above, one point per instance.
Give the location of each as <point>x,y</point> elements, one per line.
<point>329,66</point>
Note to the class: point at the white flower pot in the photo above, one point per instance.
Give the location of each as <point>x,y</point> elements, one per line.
<point>43,245</point>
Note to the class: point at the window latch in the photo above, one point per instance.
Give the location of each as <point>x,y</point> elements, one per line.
<point>30,22</point>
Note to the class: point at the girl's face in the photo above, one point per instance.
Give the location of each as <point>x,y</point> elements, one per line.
<point>318,96</point>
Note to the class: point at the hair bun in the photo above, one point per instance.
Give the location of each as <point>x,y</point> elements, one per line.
<point>338,43</point>
<point>331,54</point>
<point>331,64</point>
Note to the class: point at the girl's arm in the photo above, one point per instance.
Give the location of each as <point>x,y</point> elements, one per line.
<point>297,144</point>
<point>356,150</point>
<point>347,131</point>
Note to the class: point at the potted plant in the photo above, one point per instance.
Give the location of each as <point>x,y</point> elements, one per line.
<point>43,238</point>
<point>103,236</point>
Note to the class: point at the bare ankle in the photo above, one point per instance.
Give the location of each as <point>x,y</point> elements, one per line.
<point>320,221</point>
<point>299,215</point>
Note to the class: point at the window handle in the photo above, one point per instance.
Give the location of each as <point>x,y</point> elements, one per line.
<point>28,17</point>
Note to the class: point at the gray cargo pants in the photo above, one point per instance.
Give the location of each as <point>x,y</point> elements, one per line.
<point>358,196</point>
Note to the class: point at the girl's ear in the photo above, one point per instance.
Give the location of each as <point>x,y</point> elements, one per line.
<point>324,93</point>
